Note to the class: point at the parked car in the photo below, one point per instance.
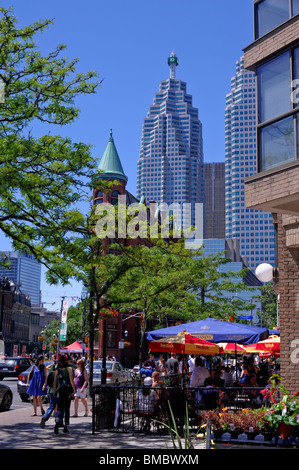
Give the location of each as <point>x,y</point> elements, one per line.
<point>116,373</point>
<point>22,382</point>
<point>6,397</point>
<point>13,366</point>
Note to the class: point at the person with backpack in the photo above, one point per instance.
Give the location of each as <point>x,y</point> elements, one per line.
<point>65,388</point>
<point>52,396</point>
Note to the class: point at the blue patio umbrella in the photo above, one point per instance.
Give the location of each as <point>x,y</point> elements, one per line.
<point>214,330</point>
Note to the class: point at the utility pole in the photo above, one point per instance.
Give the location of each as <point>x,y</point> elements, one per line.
<point>61,308</point>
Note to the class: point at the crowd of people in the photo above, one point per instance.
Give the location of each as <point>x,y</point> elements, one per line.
<point>66,379</point>
<point>63,380</point>
<point>249,369</point>
<point>207,377</point>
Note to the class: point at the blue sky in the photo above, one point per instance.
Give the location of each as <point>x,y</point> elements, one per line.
<point>128,43</point>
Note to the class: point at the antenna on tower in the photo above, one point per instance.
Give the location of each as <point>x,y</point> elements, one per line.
<point>173,62</point>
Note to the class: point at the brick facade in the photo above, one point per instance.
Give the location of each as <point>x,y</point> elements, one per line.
<point>288,262</point>
<point>277,191</point>
<point>275,41</point>
<point>274,191</point>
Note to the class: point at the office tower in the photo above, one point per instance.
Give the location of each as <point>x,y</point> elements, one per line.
<point>170,165</point>
<point>274,57</point>
<point>254,229</point>
<point>23,270</point>
<point>229,248</point>
<point>214,216</point>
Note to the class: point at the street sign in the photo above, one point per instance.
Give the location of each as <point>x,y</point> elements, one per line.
<point>245,317</point>
<point>121,345</point>
<point>62,332</point>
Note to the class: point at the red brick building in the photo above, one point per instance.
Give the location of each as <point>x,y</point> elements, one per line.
<point>274,57</point>
<point>125,326</point>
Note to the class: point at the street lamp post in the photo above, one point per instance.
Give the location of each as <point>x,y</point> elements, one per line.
<point>83,346</point>
<point>126,334</point>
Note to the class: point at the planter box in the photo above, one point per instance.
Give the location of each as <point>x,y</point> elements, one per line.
<point>258,439</point>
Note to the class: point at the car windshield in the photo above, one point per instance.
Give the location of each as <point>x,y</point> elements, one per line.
<point>8,362</point>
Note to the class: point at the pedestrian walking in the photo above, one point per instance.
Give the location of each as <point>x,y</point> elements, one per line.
<point>37,384</point>
<point>81,383</point>
<point>64,386</point>
<point>52,396</point>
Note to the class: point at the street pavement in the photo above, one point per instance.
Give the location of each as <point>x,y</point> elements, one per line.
<point>20,430</point>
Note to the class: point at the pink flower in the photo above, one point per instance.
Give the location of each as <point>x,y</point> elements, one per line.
<point>297,418</point>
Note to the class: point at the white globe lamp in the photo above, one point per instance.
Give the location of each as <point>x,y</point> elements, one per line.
<point>264,272</point>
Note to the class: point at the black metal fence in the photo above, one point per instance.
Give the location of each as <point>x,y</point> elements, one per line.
<point>136,408</point>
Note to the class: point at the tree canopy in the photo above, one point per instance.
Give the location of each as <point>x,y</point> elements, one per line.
<point>42,179</point>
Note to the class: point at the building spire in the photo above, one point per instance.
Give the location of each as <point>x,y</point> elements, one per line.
<point>173,62</point>
<point>110,164</point>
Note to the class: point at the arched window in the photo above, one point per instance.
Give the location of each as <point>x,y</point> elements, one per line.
<point>114,197</point>
<point>99,197</point>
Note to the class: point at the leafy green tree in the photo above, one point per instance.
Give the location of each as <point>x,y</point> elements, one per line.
<point>268,299</point>
<point>42,179</point>
<point>156,277</point>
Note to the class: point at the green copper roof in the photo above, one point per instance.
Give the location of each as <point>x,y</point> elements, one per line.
<point>110,163</point>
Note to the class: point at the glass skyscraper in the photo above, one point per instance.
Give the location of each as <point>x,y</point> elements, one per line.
<point>23,270</point>
<point>254,229</point>
<point>170,165</point>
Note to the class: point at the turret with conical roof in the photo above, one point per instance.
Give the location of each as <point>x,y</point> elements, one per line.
<point>110,164</point>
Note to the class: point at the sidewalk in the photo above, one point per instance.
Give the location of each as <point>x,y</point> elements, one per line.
<point>20,430</point>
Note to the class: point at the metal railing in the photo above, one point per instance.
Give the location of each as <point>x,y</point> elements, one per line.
<point>136,408</point>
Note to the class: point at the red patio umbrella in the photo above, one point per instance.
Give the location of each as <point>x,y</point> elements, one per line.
<point>73,348</point>
<point>232,348</point>
<point>184,343</point>
<point>271,344</point>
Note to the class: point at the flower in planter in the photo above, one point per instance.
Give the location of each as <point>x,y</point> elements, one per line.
<point>108,313</point>
<point>246,420</point>
<point>284,410</point>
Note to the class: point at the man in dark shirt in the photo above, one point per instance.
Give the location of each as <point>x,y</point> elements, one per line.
<point>172,365</point>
